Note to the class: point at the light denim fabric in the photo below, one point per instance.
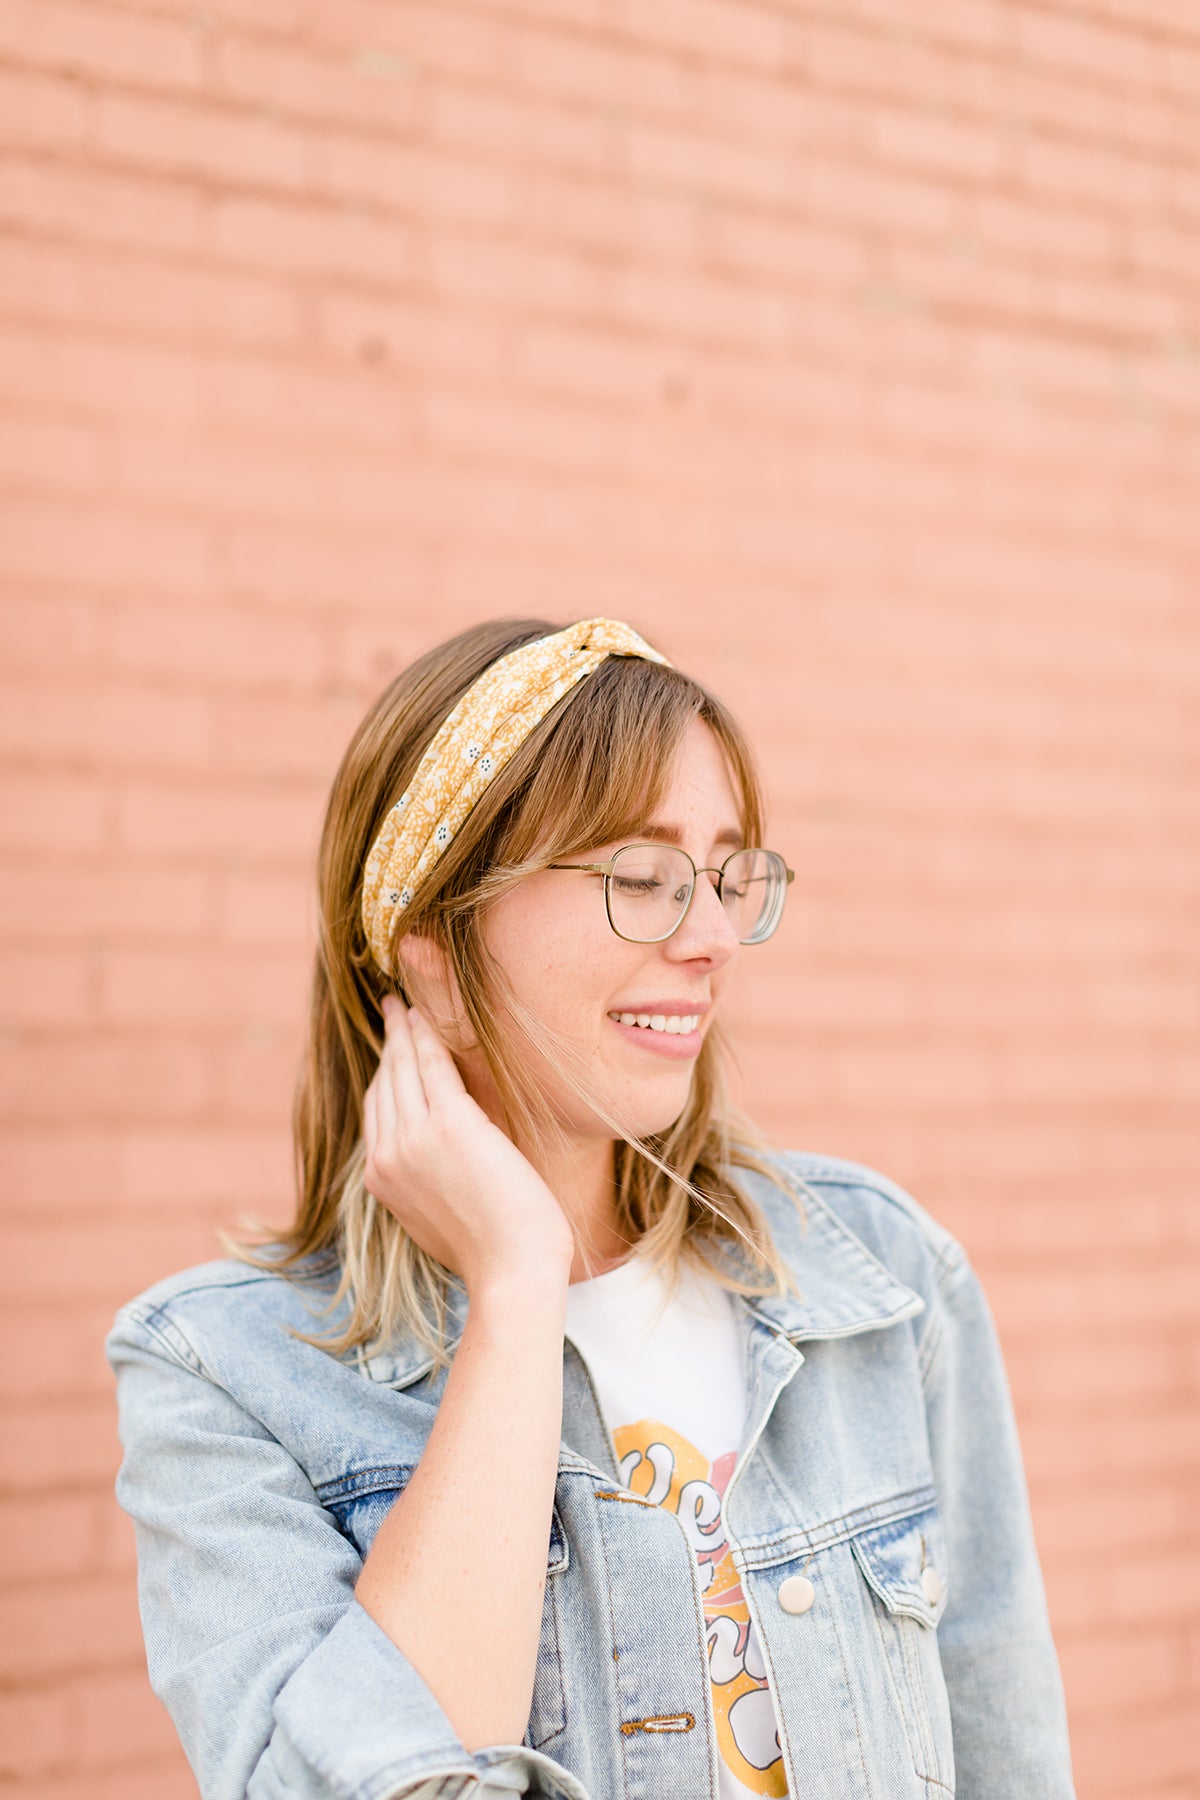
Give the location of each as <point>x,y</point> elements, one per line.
<point>880,1446</point>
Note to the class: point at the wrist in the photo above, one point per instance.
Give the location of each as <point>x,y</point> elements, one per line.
<point>540,1278</point>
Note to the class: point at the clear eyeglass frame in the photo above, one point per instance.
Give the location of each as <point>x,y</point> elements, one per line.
<point>779,875</point>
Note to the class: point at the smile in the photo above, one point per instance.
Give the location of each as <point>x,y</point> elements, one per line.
<point>673,1035</point>
<point>672,1023</point>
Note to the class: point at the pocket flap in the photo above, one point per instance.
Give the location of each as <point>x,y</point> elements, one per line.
<point>905,1563</point>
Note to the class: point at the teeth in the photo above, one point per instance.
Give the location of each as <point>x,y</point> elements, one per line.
<point>671,1023</point>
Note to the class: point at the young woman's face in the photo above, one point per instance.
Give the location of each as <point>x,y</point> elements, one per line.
<point>552,938</point>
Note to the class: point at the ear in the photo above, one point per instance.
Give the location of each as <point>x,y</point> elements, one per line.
<point>422,961</point>
<point>430,981</point>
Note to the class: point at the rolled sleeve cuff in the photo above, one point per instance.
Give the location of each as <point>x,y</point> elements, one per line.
<point>358,1714</point>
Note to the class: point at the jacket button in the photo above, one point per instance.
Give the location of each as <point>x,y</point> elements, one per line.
<point>796,1594</point>
<point>931,1585</point>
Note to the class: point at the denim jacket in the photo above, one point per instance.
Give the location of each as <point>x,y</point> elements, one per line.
<point>881,1460</point>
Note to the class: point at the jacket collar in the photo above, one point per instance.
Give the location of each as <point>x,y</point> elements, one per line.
<point>844,1288</point>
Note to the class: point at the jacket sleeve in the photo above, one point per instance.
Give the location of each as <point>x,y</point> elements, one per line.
<point>1006,1697</point>
<point>278,1681</point>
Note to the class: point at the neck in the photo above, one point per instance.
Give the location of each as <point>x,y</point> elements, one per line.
<point>581,1173</point>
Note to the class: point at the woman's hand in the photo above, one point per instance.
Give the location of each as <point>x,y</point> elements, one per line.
<point>455,1181</point>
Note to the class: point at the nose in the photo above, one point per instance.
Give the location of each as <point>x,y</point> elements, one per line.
<point>707,932</point>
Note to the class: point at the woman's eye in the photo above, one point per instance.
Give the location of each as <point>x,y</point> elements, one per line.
<point>636,884</point>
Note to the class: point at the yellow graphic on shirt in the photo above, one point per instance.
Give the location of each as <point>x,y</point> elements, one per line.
<point>659,1464</point>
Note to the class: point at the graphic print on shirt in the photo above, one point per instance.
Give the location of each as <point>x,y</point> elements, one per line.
<point>663,1466</point>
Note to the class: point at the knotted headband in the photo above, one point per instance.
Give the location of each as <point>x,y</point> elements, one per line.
<point>471,746</point>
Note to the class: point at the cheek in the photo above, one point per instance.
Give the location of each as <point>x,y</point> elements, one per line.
<point>563,962</point>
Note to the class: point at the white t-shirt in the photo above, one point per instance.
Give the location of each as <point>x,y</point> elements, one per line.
<point>671,1381</point>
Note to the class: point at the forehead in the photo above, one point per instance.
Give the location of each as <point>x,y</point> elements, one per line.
<point>699,797</point>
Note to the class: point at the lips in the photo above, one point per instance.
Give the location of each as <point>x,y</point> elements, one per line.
<point>674,1024</point>
<point>666,1027</point>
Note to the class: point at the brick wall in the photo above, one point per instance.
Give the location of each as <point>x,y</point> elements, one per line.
<point>853,353</point>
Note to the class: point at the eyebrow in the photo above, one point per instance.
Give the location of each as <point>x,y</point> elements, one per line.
<point>731,835</point>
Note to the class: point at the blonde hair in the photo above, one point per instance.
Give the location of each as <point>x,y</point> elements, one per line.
<point>592,771</point>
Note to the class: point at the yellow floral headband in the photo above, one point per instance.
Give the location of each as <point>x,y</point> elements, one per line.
<point>489,723</point>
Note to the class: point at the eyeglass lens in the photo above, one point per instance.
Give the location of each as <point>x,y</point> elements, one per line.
<point>650,885</point>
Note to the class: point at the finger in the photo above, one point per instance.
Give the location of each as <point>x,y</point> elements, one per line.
<point>370,1126</point>
<point>439,1071</point>
<point>401,1074</point>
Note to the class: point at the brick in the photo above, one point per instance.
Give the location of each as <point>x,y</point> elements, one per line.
<point>55,1628</point>
<point>110,1079</point>
<point>104,374</point>
<point>394,45</point>
<point>163,988</point>
<point>1050,1376</point>
<point>1131,1514</point>
<point>1141,1668</point>
<point>248,1166</point>
<point>48,900</point>
<point>301,567</point>
<point>435,186</point>
<point>45,633</point>
<point>116,724</point>
<point>221,477</point>
<point>1055,1299</point>
<point>82,1260</point>
<point>169,1779</point>
<point>116,1724</point>
<point>30,987</point>
<point>44,1167</point>
<point>100,206</point>
<point>1087,47</point>
<point>43,112</point>
<point>342,241</point>
<point>224,144</point>
<point>267,909</point>
<point>70,1361</point>
<point>51,1536</point>
<point>256,1076</point>
<point>67,1445</point>
<point>235,646</point>
<point>715,29</point>
<point>44,810</point>
<point>368,86</point>
<point>63,541</point>
<point>36,1730</point>
<point>1161,1436</point>
<point>99,40</point>
<point>49,453</point>
<point>347,405</point>
<point>259,822</point>
<point>1112,1759</point>
<point>83,285</point>
<point>400,331</point>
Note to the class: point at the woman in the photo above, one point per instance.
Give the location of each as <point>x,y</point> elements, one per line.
<point>572,1442</point>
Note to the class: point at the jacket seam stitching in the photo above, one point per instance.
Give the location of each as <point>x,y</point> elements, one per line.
<point>161,1329</point>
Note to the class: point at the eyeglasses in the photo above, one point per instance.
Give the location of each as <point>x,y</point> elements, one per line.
<point>648,889</point>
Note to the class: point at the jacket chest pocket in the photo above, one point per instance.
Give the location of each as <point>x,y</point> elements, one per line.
<point>904,1590</point>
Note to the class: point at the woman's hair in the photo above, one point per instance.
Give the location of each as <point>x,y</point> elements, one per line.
<point>592,771</point>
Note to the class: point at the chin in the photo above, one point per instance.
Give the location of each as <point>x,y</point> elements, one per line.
<point>644,1121</point>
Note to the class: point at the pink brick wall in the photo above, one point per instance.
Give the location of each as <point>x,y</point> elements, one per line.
<point>853,353</point>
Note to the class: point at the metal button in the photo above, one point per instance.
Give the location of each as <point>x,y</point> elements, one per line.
<point>931,1585</point>
<point>796,1594</point>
